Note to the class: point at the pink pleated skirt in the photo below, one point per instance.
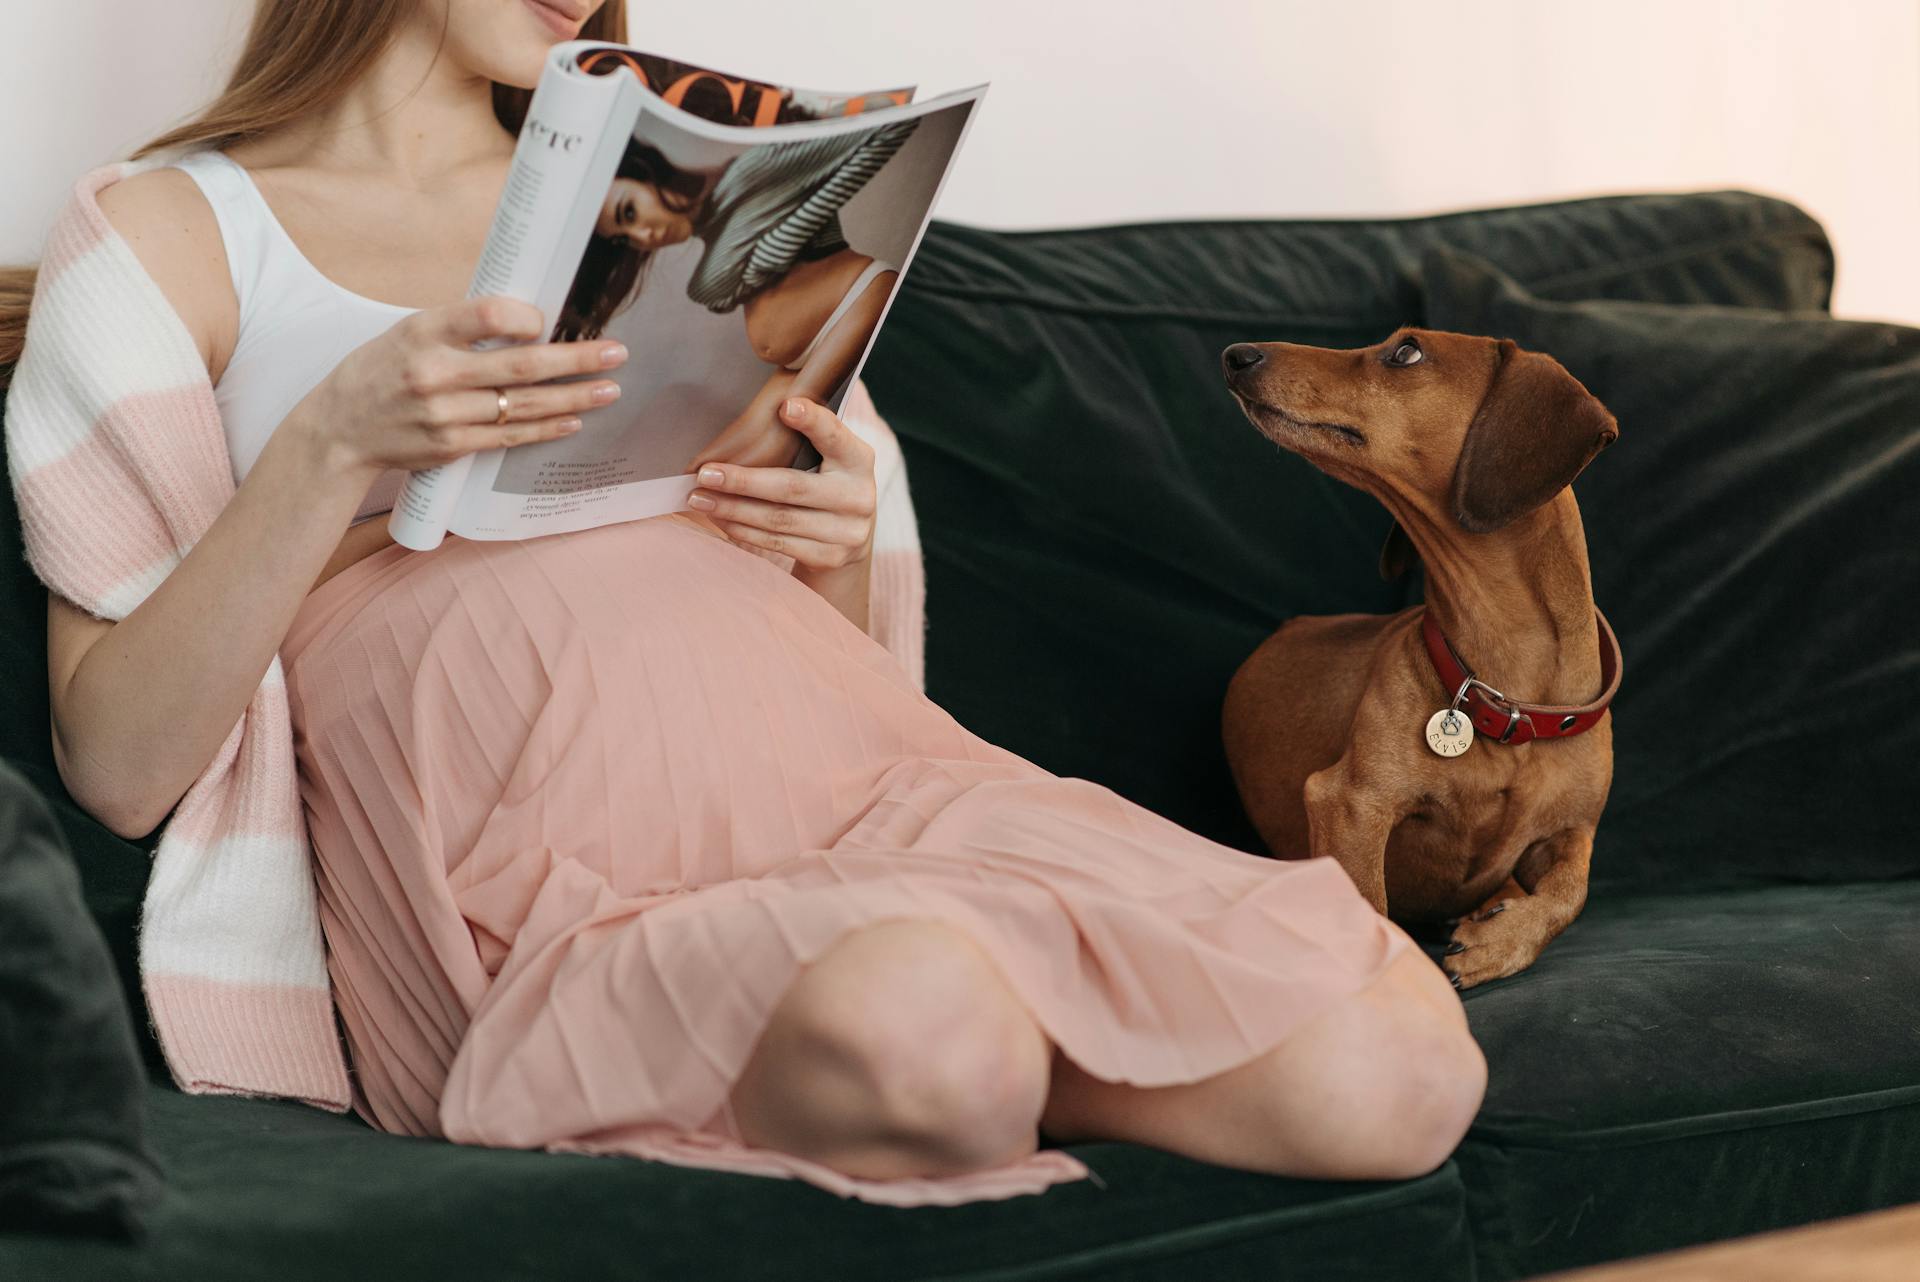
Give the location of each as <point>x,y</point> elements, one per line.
<point>583,806</point>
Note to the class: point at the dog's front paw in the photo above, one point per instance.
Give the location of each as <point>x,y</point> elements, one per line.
<point>1492,943</point>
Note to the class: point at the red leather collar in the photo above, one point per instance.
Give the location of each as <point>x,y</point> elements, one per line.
<point>1507,721</point>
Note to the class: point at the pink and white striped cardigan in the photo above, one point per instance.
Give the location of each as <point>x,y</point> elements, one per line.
<point>119,464</point>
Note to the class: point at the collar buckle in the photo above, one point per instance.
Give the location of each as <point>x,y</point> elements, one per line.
<point>1498,700</point>
<point>1491,693</point>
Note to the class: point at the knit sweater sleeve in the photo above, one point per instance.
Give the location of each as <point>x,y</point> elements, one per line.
<point>897,609</point>
<point>111,428</point>
<point>119,465</point>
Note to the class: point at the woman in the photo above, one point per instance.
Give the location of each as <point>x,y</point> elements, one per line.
<point>628,841</point>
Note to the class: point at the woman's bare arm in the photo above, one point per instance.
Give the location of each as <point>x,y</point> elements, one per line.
<point>834,358</point>
<point>140,706</point>
<point>756,437</point>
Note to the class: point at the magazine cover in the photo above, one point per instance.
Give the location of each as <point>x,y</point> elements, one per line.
<point>744,240</point>
<point>727,99</point>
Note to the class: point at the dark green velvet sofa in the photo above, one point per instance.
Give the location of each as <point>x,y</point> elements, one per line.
<point>1728,1040</point>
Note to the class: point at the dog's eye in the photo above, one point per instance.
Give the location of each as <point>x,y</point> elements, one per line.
<point>1407,353</point>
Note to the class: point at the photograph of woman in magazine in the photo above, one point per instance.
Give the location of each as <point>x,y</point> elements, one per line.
<point>774,249</point>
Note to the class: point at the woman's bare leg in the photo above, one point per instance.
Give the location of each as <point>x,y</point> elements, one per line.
<point>899,1051</point>
<point>1382,1086</point>
<point>903,1051</point>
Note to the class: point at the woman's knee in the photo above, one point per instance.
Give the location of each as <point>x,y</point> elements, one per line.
<point>1420,1074</point>
<point>906,1029</point>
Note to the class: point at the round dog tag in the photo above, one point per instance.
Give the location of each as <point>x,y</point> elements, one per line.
<point>1449,732</point>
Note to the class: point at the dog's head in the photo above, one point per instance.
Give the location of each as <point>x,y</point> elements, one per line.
<point>1472,431</point>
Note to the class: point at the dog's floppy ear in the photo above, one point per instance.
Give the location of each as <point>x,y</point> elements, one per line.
<point>1397,554</point>
<point>1536,429</point>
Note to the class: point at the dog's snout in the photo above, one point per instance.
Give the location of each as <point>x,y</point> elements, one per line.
<point>1241,356</point>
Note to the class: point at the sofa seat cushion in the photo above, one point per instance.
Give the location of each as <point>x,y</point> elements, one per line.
<point>1685,1067</point>
<point>270,1186</point>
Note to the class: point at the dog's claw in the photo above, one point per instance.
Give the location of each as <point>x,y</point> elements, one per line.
<point>1455,947</point>
<point>1454,979</point>
<point>1495,911</point>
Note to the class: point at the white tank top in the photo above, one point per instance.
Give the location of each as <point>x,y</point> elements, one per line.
<point>848,299</point>
<point>295,324</point>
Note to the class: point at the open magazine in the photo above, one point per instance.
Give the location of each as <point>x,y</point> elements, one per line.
<point>744,240</point>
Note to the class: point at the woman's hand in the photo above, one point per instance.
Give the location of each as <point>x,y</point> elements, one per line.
<point>418,395</point>
<point>823,520</point>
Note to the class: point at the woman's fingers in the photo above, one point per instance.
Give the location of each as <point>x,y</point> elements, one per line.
<point>825,526</point>
<point>780,484</point>
<point>838,492</point>
<point>524,404</point>
<point>474,320</point>
<point>802,549</point>
<point>844,482</point>
<point>474,437</point>
<point>535,363</point>
<point>840,449</point>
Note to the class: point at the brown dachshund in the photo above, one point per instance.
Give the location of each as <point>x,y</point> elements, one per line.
<point>1454,757</point>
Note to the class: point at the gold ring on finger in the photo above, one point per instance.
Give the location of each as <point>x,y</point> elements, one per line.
<point>503,407</point>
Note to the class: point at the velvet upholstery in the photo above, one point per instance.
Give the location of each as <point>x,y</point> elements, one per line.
<point>1683,1067</point>
<point>275,1188</point>
<point>73,1152</point>
<point>1106,538</point>
<point>1755,542</point>
<point>1106,535</point>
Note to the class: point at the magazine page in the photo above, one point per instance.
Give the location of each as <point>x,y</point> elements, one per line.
<point>739,266</point>
<point>728,99</point>
<point>575,126</point>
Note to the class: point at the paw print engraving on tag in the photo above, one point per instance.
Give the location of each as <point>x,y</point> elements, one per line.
<point>1449,732</point>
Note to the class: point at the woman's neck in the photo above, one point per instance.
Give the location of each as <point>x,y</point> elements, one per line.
<point>415,117</point>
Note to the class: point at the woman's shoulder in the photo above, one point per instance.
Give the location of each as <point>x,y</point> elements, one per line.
<point>166,221</point>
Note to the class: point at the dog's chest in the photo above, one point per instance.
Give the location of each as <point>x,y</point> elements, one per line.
<point>1461,842</point>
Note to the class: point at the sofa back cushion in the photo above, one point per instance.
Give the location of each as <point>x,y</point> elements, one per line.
<point>73,1151</point>
<point>1107,537</point>
<point>25,727</point>
<point>1755,541</point>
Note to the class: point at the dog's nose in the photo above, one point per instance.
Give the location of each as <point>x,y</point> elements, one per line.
<point>1241,356</point>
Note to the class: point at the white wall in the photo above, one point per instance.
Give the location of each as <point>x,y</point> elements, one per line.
<point>1110,110</point>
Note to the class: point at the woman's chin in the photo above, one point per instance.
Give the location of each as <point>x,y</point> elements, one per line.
<point>514,76</point>
<point>519,60</point>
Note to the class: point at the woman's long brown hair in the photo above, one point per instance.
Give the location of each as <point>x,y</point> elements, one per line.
<point>300,56</point>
